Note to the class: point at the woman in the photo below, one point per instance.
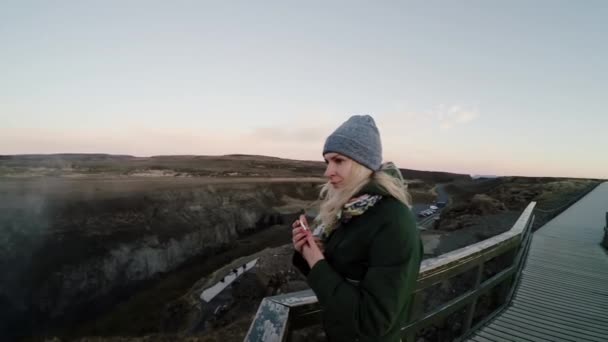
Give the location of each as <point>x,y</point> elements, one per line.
<point>362,260</point>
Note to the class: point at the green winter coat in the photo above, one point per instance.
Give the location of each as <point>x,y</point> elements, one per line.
<point>371,264</point>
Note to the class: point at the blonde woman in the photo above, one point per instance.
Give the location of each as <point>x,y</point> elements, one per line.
<point>363,258</point>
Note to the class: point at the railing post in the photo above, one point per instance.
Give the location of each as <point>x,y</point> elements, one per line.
<point>520,259</point>
<point>473,305</point>
<point>270,323</point>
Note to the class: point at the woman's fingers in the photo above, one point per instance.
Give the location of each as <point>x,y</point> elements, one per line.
<point>301,236</point>
<point>299,244</point>
<point>299,239</point>
<point>297,231</point>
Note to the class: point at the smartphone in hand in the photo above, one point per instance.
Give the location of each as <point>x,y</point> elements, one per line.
<point>303,225</point>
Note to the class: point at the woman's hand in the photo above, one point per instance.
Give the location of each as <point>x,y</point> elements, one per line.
<point>310,250</point>
<point>305,243</point>
<point>299,236</point>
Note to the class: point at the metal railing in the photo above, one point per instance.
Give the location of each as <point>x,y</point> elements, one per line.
<point>278,316</point>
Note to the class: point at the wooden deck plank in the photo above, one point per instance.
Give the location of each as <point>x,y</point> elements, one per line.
<point>564,327</point>
<point>578,297</point>
<point>559,312</point>
<point>506,335</point>
<point>546,330</point>
<point>518,334</point>
<point>552,316</point>
<point>569,303</point>
<point>490,336</point>
<point>481,339</point>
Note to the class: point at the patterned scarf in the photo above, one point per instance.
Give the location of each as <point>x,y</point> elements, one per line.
<point>355,207</point>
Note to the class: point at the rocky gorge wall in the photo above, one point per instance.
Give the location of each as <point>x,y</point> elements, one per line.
<point>65,251</point>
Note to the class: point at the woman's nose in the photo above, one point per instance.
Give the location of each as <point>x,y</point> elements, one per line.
<point>329,171</point>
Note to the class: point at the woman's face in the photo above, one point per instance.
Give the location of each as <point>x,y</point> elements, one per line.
<point>338,168</point>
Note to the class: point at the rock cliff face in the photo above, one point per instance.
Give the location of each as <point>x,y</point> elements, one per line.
<point>63,251</point>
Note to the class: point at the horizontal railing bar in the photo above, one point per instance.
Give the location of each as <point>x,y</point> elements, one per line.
<point>296,299</point>
<point>439,264</point>
<point>304,320</point>
<point>465,264</point>
<point>297,313</point>
<point>434,269</point>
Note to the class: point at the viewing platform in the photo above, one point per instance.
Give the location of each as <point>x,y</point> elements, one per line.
<point>550,285</point>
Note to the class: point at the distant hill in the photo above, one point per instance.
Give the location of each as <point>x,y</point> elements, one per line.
<point>483,176</point>
<point>181,165</point>
<point>434,176</point>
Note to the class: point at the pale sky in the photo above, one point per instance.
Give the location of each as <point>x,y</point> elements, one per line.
<point>479,87</point>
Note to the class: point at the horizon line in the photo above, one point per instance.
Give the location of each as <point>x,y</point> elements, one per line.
<point>472,175</point>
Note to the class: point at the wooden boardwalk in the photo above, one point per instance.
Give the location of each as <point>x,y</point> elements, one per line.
<point>563,289</point>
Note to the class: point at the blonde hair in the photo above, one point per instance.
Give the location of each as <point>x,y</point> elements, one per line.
<point>333,200</point>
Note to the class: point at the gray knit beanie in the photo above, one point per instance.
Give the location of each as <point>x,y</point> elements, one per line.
<point>359,139</point>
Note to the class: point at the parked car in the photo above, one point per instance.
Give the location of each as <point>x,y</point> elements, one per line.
<point>424,213</point>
